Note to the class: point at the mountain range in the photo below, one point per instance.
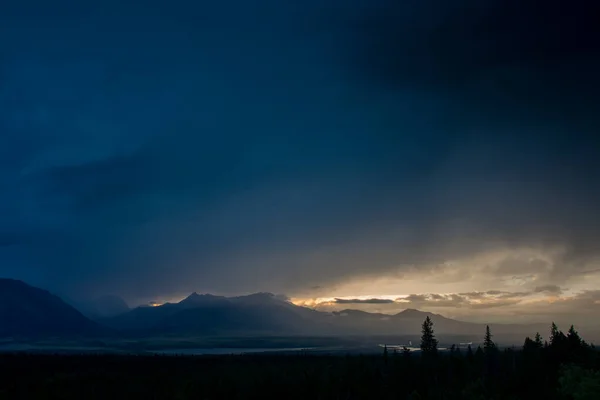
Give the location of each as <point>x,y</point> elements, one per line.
<point>27,311</point>
<point>258,313</point>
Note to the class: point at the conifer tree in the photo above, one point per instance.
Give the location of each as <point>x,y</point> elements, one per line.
<point>538,341</point>
<point>553,332</point>
<point>529,344</point>
<point>488,343</point>
<point>429,343</point>
<point>574,338</point>
<point>556,336</point>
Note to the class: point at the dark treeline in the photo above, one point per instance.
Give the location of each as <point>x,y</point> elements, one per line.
<point>563,366</point>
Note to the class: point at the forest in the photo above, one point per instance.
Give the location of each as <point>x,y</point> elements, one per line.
<point>563,366</point>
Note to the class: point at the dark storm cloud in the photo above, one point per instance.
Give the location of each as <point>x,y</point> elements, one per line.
<point>363,301</point>
<point>437,43</point>
<point>277,146</point>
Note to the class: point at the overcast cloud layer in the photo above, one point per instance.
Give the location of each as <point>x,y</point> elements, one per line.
<point>312,148</point>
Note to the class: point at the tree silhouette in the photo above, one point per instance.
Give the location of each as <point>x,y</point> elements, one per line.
<point>529,344</point>
<point>488,343</point>
<point>553,332</point>
<point>429,343</point>
<point>577,349</point>
<point>557,338</point>
<point>538,341</point>
<point>573,338</point>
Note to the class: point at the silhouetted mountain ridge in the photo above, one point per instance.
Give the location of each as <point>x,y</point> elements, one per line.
<point>210,314</point>
<point>29,311</point>
<point>268,313</point>
<point>411,312</point>
<point>197,300</point>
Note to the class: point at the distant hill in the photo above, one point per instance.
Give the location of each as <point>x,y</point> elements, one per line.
<point>408,322</point>
<point>27,311</point>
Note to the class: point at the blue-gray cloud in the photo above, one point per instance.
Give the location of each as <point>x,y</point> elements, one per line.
<point>229,147</point>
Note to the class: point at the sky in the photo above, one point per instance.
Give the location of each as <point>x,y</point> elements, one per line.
<point>425,154</point>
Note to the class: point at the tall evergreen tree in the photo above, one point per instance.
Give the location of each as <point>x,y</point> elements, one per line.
<point>574,338</point>
<point>553,332</point>
<point>429,343</point>
<point>488,343</point>
<point>538,340</point>
<point>577,348</point>
<point>556,336</point>
<point>529,344</point>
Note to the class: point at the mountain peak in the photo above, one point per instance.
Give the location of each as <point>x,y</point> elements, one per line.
<point>196,295</point>
<point>412,312</point>
<point>196,298</point>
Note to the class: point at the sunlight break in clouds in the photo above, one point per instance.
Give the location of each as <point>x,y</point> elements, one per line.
<point>495,285</point>
<point>491,306</point>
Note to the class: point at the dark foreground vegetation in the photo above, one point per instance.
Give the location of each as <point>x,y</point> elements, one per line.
<point>564,367</point>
